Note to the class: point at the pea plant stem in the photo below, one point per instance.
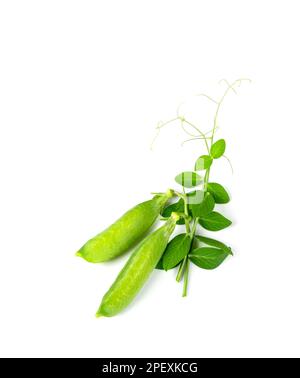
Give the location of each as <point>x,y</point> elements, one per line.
<point>188,230</point>
<point>186,277</point>
<point>186,212</point>
<point>181,270</point>
<point>206,177</point>
<point>194,227</point>
<point>185,262</point>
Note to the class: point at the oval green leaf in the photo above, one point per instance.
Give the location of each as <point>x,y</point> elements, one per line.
<point>214,243</point>
<point>218,192</point>
<point>203,162</point>
<point>188,179</point>
<point>214,221</point>
<point>176,251</point>
<point>218,149</point>
<point>208,258</point>
<point>203,208</point>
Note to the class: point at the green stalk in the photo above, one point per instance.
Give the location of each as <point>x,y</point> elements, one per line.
<point>206,178</point>
<point>186,278</point>
<point>194,227</point>
<point>188,231</point>
<point>181,270</point>
<point>184,265</point>
<point>186,212</point>
<point>186,261</point>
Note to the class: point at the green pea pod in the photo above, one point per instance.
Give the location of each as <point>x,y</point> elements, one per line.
<point>137,270</point>
<point>125,232</point>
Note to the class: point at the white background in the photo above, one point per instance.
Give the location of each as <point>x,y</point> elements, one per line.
<point>82,86</point>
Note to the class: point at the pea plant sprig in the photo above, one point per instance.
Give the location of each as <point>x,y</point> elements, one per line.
<point>196,207</point>
<point>192,208</point>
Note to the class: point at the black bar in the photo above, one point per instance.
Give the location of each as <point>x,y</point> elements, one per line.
<point>134,367</point>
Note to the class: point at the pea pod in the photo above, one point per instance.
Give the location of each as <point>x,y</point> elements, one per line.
<point>125,232</point>
<point>137,270</point>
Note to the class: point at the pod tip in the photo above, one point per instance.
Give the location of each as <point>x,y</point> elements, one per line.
<point>78,253</point>
<point>98,314</point>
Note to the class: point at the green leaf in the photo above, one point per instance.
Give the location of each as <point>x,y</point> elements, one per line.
<point>218,149</point>
<point>208,258</point>
<point>214,243</point>
<point>214,221</point>
<point>176,251</point>
<point>203,162</point>
<point>188,179</point>
<point>219,193</point>
<point>203,208</point>
<point>177,207</point>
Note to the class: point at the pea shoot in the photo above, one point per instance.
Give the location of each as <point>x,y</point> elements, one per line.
<point>196,206</point>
